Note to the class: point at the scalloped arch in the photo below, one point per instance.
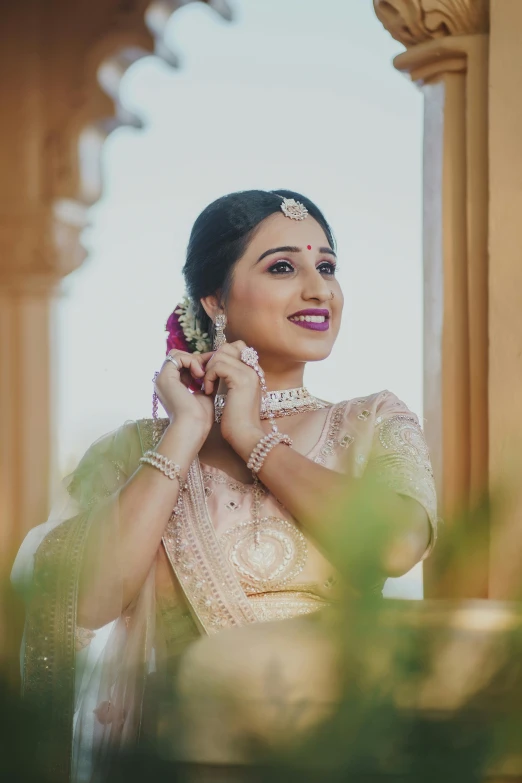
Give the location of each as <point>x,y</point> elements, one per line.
<point>139,35</point>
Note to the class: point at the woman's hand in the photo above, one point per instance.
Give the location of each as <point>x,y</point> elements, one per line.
<point>172,388</point>
<point>240,423</point>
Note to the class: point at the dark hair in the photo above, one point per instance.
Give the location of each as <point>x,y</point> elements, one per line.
<point>220,236</point>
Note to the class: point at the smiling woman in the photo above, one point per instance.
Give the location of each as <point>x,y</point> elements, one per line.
<point>248,540</point>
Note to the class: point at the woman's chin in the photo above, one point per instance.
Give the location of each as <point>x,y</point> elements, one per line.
<point>301,345</point>
<point>312,346</point>
<point>302,351</point>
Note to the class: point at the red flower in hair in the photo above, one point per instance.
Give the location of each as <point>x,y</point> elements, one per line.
<point>185,334</point>
<point>175,338</point>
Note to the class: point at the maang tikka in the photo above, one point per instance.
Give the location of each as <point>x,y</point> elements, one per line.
<point>219,330</point>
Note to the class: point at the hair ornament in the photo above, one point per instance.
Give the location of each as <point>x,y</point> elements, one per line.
<point>293,209</point>
<point>184,330</point>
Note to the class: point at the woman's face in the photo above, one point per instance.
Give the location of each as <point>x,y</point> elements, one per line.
<point>285,300</point>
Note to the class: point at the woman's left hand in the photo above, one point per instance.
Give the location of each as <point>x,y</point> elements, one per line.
<point>240,423</point>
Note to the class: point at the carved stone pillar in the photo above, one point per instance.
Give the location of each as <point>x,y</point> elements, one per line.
<point>447,57</point>
<point>61,66</point>
<point>505,280</point>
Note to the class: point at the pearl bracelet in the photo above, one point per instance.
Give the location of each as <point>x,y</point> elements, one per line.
<point>263,448</point>
<point>165,465</point>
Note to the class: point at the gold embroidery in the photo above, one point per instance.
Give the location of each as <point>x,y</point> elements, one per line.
<point>151,431</point>
<point>332,441</point>
<point>284,606</point>
<point>82,637</point>
<point>407,468</point>
<point>119,469</point>
<point>278,557</point>
<point>234,486</point>
<point>208,582</point>
<point>402,434</point>
<point>346,441</point>
<point>49,660</point>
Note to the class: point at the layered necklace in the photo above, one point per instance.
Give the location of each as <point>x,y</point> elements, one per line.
<point>275,404</point>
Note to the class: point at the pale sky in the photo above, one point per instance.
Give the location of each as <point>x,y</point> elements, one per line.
<point>295,94</point>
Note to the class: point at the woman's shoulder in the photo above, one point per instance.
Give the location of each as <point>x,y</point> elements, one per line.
<point>375,407</point>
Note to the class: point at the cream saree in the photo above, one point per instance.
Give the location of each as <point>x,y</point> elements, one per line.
<point>90,685</point>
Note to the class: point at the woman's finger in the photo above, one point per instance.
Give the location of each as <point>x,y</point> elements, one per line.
<point>225,367</point>
<point>211,374</point>
<point>196,367</point>
<point>232,349</point>
<point>177,359</point>
<point>206,356</point>
<point>178,366</point>
<point>181,360</point>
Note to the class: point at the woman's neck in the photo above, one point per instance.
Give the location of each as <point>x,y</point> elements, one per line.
<point>285,380</point>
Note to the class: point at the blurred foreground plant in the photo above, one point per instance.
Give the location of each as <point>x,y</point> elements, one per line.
<point>361,691</point>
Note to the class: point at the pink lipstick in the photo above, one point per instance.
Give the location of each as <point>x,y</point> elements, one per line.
<point>312,318</point>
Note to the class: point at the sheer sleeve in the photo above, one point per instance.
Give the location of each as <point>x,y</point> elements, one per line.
<point>400,458</point>
<point>105,467</point>
<point>80,536</point>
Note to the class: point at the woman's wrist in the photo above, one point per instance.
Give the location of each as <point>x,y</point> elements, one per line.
<point>247,441</point>
<point>182,441</point>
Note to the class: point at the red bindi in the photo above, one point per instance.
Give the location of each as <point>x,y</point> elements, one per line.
<point>309,247</point>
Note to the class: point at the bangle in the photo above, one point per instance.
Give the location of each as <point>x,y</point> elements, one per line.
<point>263,447</point>
<point>163,464</point>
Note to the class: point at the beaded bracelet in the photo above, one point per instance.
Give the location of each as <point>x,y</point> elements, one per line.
<point>165,465</point>
<point>263,448</point>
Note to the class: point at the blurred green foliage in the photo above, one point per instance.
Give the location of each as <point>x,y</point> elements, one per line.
<point>427,691</point>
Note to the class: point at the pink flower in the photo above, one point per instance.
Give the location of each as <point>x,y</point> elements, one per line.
<point>175,338</point>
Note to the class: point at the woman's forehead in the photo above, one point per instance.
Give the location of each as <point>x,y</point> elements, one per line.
<point>278,230</point>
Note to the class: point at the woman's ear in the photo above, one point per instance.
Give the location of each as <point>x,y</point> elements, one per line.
<point>212,306</point>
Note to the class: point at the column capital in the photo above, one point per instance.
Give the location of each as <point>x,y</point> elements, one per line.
<point>413,22</point>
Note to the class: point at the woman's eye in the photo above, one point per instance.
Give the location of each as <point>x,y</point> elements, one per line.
<point>327,267</point>
<point>282,267</point>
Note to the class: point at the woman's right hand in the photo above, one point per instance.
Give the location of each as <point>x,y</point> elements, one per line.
<point>172,388</point>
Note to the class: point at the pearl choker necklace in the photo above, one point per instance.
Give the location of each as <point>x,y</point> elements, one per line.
<point>279,403</point>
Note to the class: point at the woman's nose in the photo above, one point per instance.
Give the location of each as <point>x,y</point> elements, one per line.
<point>316,287</point>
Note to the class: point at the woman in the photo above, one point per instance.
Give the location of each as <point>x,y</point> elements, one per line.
<point>246,457</point>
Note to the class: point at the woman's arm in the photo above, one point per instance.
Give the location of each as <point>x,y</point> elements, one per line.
<point>119,555</point>
<point>116,563</point>
<point>314,495</point>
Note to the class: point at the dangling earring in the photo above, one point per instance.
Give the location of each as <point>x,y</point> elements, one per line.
<point>219,330</point>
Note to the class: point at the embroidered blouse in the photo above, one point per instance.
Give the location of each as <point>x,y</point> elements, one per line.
<point>285,575</point>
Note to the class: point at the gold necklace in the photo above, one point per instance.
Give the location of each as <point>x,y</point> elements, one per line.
<point>275,404</point>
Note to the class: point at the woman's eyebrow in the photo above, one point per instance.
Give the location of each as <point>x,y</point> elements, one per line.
<point>291,249</point>
<point>285,249</point>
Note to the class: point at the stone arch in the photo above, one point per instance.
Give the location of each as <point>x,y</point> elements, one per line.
<point>65,62</point>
